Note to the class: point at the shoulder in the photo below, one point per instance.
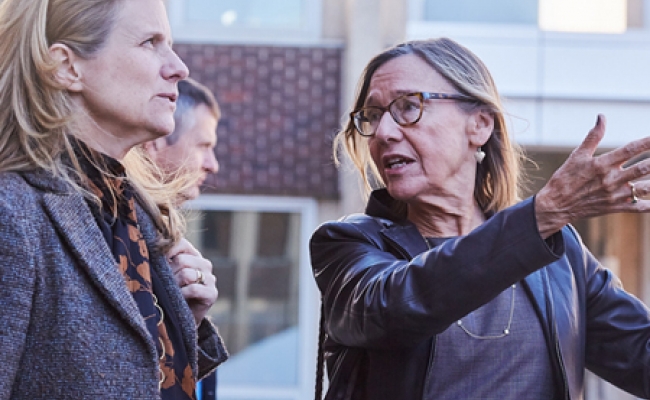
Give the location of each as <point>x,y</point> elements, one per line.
<point>24,195</point>
<point>12,180</point>
<point>352,230</point>
<point>16,191</point>
<point>353,224</point>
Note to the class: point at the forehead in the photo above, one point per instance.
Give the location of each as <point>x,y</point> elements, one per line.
<point>405,74</point>
<point>201,125</point>
<point>142,17</point>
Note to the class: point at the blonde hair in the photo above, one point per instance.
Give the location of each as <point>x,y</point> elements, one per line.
<point>498,177</point>
<point>37,114</point>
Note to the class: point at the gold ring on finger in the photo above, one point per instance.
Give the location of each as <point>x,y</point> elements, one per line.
<point>200,279</point>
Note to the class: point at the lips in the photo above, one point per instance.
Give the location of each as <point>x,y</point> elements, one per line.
<point>392,162</point>
<point>169,96</point>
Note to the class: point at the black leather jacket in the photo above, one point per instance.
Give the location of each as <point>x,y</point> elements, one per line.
<point>386,296</point>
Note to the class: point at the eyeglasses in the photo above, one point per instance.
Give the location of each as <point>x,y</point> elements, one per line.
<point>405,110</point>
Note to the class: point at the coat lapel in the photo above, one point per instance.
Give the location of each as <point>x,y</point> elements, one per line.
<point>74,221</point>
<point>535,284</point>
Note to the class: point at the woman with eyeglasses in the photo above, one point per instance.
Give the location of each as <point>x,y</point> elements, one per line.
<point>450,286</point>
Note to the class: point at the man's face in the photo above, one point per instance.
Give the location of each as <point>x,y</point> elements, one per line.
<point>193,152</point>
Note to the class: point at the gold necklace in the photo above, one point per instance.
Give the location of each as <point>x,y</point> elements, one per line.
<point>504,332</point>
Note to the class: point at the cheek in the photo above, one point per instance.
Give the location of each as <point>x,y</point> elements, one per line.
<point>373,151</point>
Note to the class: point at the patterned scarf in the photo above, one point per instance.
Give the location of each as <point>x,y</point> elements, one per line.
<point>118,222</point>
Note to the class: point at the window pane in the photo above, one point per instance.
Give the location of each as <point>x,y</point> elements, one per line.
<point>285,14</point>
<point>255,257</point>
<point>481,11</point>
<point>603,16</point>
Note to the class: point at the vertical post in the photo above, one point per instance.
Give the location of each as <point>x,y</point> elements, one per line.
<point>243,250</point>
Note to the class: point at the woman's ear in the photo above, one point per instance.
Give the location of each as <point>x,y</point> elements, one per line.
<point>66,72</point>
<point>481,125</point>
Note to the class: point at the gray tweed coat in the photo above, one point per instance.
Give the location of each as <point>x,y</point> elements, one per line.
<point>69,327</point>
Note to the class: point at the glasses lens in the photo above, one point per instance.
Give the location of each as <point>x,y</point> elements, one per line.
<point>366,120</point>
<point>406,110</point>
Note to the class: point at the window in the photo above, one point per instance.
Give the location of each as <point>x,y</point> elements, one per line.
<point>258,248</point>
<point>595,16</point>
<point>501,11</point>
<point>606,16</point>
<point>245,20</point>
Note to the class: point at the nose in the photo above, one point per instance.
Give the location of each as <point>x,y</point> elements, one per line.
<point>210,163</point>
<point>388,129</point>
<point>175,68</point>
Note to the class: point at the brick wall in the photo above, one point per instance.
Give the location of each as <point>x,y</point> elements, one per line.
<point>280,109</point>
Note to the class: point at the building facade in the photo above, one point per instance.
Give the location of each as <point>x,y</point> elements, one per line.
<point>284,73</point>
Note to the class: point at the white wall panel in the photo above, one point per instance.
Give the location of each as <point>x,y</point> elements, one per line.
<point>556,83</point>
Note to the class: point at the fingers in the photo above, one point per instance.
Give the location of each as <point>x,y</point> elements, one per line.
<point>587,186</point>
<point>190,269</point>
<point>592,140</point>
<point>183,247</point>
<point>609,164</point>
<point>194,276</point>
<point>635,171</point>
<point>202,294</point>
<point>620,156</point>
<point>200,297</point>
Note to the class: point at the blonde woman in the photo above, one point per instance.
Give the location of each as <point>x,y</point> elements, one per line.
<point>99,295</point>
<point>449,286</point>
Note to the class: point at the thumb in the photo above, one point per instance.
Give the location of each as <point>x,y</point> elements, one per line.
<point>592,140</point>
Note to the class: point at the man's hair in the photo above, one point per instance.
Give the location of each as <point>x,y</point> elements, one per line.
<point>191,94</point>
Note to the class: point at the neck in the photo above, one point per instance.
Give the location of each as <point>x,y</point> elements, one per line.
<point>443,220</point>
<point>101,137</point>
<point>102,140</point>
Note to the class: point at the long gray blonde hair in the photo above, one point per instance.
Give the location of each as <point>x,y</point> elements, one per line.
<point>37,114</point>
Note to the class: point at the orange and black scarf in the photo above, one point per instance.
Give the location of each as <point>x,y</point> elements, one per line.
<point>118,222</point>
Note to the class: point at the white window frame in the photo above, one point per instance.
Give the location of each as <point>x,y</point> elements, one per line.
<point>186,31</point>
<point>308,298</point>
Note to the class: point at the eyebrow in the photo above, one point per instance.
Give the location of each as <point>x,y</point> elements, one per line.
<point>396,94</point>
<point>158,35</point>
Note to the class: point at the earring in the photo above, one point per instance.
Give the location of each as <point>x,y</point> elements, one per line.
<point>479,155</point>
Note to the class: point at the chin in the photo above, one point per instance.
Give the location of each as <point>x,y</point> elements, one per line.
<point>398,192</point>
<point>192,194</point>
<point>161,132</point>
<point>162,127</point>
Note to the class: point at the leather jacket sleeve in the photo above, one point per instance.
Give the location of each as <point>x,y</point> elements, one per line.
<point>378,293</point>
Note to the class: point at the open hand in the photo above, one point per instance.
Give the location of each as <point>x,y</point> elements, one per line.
<point>588,186</point>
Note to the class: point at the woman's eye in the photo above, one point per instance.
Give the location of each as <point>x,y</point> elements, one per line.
<point>372,116</point>
<point>408,106</point>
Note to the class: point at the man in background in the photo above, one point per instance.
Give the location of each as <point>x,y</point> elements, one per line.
<point>190,148</point>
